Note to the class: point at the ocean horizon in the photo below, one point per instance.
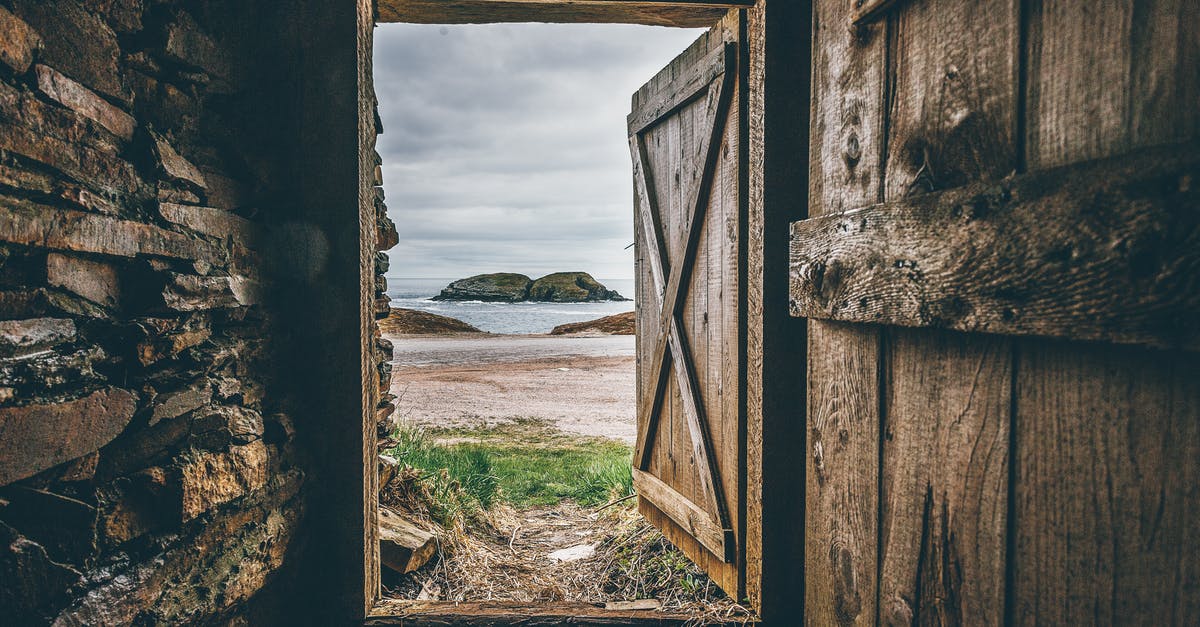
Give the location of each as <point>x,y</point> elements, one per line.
<point>507,318</point>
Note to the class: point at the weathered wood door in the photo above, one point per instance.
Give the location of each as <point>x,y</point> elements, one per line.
<point>686,137</point>
<point>1000,276</point>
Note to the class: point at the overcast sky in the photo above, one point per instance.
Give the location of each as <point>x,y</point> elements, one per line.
<point>505,145</point>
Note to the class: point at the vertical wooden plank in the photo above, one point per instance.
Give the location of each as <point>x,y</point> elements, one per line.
<point>1108,485</point>
<point>1106,444</point>
<point>952,121</point>
<point>945,479</point>
<point>842,471</point>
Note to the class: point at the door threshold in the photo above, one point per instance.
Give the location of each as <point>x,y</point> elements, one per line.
<point>479,613</point>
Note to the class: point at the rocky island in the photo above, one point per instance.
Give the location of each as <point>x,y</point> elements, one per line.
<point>504,287</point>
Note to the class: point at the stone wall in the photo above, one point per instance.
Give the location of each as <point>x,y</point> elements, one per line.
<point>147,466</point>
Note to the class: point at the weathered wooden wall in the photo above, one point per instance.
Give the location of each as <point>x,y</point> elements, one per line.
<point>962,478</point>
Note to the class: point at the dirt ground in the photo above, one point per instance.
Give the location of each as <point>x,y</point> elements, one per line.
<point>582,385</point>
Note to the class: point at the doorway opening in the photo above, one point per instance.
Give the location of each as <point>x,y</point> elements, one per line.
<point>507,469</point>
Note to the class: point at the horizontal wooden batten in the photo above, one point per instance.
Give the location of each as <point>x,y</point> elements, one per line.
<point>686,514</point>
<point>679,13</point>
<point>1105,251</point>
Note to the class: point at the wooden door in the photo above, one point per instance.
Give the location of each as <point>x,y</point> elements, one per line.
<point>999,270</point>
<point>686,138</point>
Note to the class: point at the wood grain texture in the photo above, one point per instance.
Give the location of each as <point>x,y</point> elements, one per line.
<point>945,479</point>
<point>865,10</point>
<point>1106,459</point>
<point>698,523</point>
<point>846,160</point>
<point>679,13</point>
<point>944,474</point>
<point>688,182</point>
<point>779,72</point>
<point>1107,485</point>
<point>1105,251</point>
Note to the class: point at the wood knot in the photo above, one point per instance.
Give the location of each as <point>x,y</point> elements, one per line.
<point>853,151</point>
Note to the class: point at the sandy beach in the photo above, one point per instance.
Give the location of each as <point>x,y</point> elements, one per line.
<point>582,384</point>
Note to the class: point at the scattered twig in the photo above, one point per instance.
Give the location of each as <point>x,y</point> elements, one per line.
<point>611,503</point>
<point>513,539</point>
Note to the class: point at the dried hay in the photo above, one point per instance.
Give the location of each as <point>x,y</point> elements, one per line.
<point>500,555</point>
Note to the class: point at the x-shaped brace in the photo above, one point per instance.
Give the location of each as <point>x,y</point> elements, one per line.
<point>672,291</point>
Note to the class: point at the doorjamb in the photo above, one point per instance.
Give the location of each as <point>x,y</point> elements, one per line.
<point>352,589</point>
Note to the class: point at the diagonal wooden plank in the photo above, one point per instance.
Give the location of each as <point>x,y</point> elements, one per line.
<point>679,92</point>
<point>650,223</point>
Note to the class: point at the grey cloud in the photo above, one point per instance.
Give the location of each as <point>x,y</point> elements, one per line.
<point>505,144</point>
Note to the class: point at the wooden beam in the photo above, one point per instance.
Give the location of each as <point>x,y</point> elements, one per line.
<point>686,514</point>
<point>487,613</point>
<point>1102,251</point>
<point>679,13</point>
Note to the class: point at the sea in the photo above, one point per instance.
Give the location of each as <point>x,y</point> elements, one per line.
<point>508,318</point>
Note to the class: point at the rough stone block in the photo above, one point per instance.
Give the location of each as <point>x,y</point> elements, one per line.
<point>84,163</point>
<point>96,281</point>
<point>83,46</point>
<point>387,235</point>
<point>187,292</point>
<point>162,338</point>
<point>403,546</point>
<point>175,166</point>
<point>18,42</point>
<point>34,438</point>
<point>36,374</point>
<point>85,102</point>
<point>177,403</point>
<point>24,337</point>
<point>211,221</point>
<point>29,224</point>
<point>227,425</point>
<point>133,506</point>
<point>188,44</point>
<point>212,479</point>
<point>125,16</point>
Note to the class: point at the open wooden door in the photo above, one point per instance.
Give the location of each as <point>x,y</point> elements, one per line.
<point>686,139</point>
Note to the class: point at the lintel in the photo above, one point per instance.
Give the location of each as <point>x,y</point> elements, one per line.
<point>678,13</point>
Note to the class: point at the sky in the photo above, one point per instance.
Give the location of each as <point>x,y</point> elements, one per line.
<point>505,147</point>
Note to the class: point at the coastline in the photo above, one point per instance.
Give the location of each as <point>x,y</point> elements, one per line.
<point>583,384</point>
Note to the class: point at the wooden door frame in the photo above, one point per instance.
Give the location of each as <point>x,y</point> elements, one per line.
<point>343,557</point>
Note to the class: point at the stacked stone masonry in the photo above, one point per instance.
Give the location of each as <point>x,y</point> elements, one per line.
<point>147,476</point>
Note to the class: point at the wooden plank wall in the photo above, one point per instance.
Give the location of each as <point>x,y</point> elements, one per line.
<point>711,310</point>
<point>1107,517</point>
<point>970,479</point>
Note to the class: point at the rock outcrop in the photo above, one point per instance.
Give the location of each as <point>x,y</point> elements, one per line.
<point>413,322</point>
<point>502,287</point>
<point>570,287</point>
<point>619,324</point>
<point>560,287</point>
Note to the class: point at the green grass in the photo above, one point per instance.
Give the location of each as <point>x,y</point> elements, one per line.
<point>524,464</point>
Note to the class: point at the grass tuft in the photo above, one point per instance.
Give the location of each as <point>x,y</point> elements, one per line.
<point>522,464</point>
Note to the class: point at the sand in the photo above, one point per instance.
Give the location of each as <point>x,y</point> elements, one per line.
<point>584,385</point>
